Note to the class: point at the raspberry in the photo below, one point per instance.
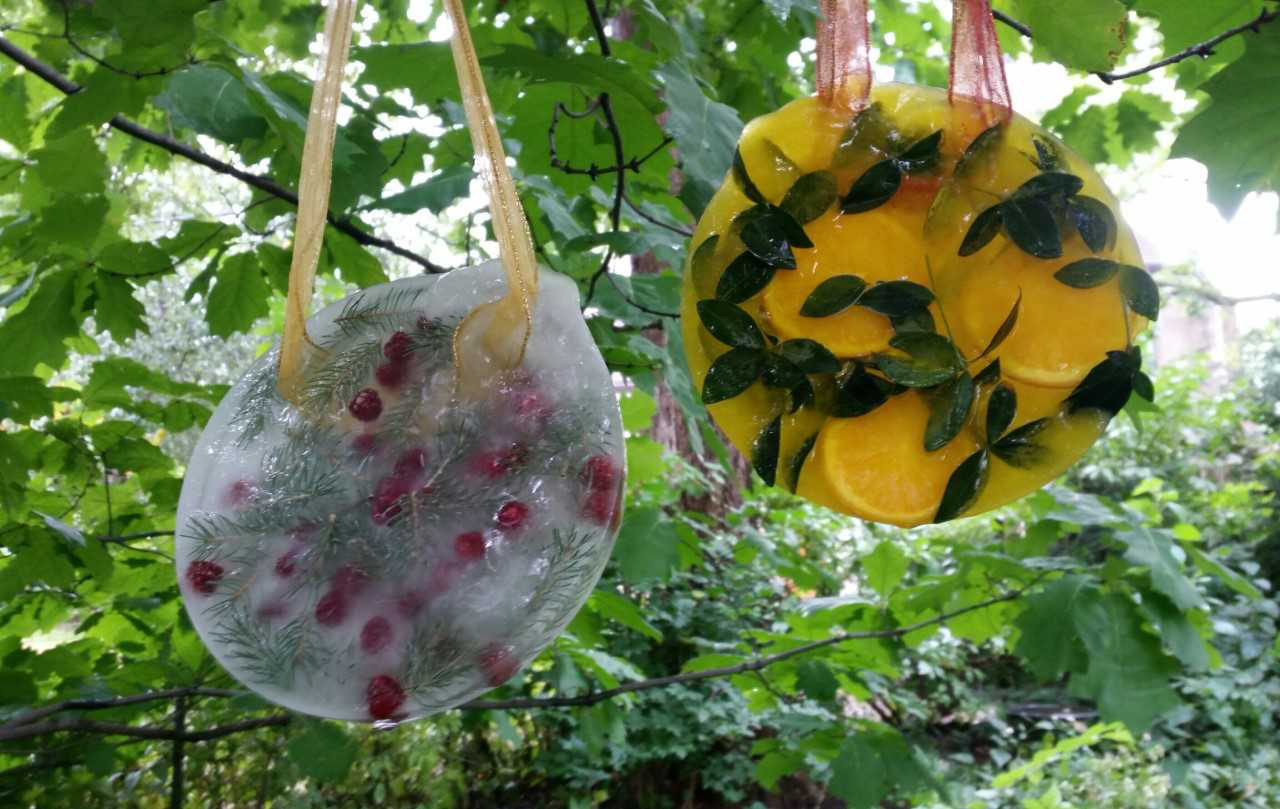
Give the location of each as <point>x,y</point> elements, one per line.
<point>496,464</point>
<point>204,575</point>
<point>411,464</point>
<point>385,696</point>
<point>469,546</point>
<point>600,473</point>
<point>600,506</point>
<point>287,563</point>
<point>397,348</point>
<point>366,405</point>
<point>350,581</point>
<point>512,516</point>
<point>240,493</point>
<point>499,665</point>
<point>391,374</point>
<point>375,635</point>
<point>331,609</point>
<point>364,444</point>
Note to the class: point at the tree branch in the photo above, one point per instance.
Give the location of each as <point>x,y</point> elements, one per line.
<point>263,184</point>
<point>37,714</point>
<point>144,731</point>
<point>1214,296</point>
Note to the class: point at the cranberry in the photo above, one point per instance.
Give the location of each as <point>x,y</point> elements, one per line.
<point>410,603</point>
<point>496,464</point>
<point>512,516</point>
<point>350,581</point>
<point>385,696</point>
<point>411,463</point>
<point>240,493</point>
<point>204,575</point>
<point>529,412</point>
<point>442,580</point>
<point>600,473</point>
<point>385,509</point>
<point>499,665</point>
<point>271,611</point>
<point>303,530</point>
<point>376,634</point>
<point>600,506</point>
<point>470,545</point>
<point>331,609</point>
<point>386,498</point>
<point>366,405</point>
<point>287,563</point>
<point>397,348</point>
<point>364,444</point>
<point>391,374</point>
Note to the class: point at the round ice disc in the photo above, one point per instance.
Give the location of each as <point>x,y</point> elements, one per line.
<point>387,547</point>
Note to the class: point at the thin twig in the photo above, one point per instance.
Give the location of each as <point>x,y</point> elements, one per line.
<point>143,731</point>
<point>115,702</point>
<point>66,35</point>
<point>686,232</point>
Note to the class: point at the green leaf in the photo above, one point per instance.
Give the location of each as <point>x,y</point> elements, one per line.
<point>425,69</point>
<point>770,233</point>
<point>1049,186</point>
<point>859,392</point>
<point>1018,449</point>
<point>1001,409</point>
<point>1031,226</point>
<point>103,95</point>
<point>1180,636</point>
<point>17,688</point>
<point>810,196</point>
<point>700,126</point>
<point>963,486</point>
<point>931,359</point>
<point>833,296</point>
<point>745,276</point>
<point>1212,567</point>
<point>1005,329</point>
<point>775,764</point>
<point>239,296</point>
<point>647,546</point>
<point>874,763</point>
<point>604,74</point>
<point>1088,273</point>
<point>1094,221</point>
<point>1091,38</point>
<point>356,264</point>
<point>616,607</point>
<point>743,178</point>
<point>40,328</point>
<point>1047,639</point>
<point>729,324</point>
<point>115,309</point>
<point>949,409</point>
<point>979,149</point>
<point>989,374</point>
<point>322,751</point>
<point>870,131</point>
<point>434,194</point>
<point>1154,550</point>
<point>796,466</point>
<point>1106,387</point>
<point>985,227</point>
<point>212,101</point>
<point>1140,292</point>
<point>732,373</point>
<point>1234,134</point>
<point>921,155</point>
<point>638,409</point>
<point>815,679</point>
<point>810,356</point>
<point>701,263</point>
<point>896,298</point>
<point>885,567</point>
<point>874,188</point>
<point>764,451</point>
<point>27,398</point>
<point>72,164</point>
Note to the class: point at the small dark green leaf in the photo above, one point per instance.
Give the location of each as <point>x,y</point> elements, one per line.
<point>1094,221</point>
<point>810,196</point>
<point>1143,387</point>
<point>1048,156</point>
<point>1001,409</point>
<point>701,260</point>
<point>764,451</point>
<point>869,131</point>
<point>1087,273</point>
<point>948,411</point>
<point>874,188</point>
<point>989,374</point>
<point>780,372</point>
<point>768,244</point>
<point>744,277</point>
<point>743,179</point>
<point>984,228</point>
<point>978,148</point>
<point>896,298</point>
<point>801,395</point>
<point>922,154</point>
<point>1050,184</point>
<point>781,163</point>
<point>920,320</point>
<point>1018,449</point>
<point>1107,385</point>
<point>859,392</point>
<point>729,324</point>
<point>931,359</point>
<point>732,373</point>
<point>1031,225</point>
<point>797,461</point>
<point>810,356</point>
<point>833,295</point>
<point>1006,327</point>
<point>1140,292</point>
<point>963,486</point>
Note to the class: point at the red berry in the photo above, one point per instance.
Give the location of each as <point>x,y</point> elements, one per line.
<point>331,609</point>
<point>287,563</point>
<point>366,405</point>
<point>391,374</point>
<point>512,516</point>
<point>398,347</point>
<point>204,575</point>
<point>240,493</point>
<point>410,602</point>
<point>386,498</point>
<point>411,463</point>
<point>499,665</point>
<point>271,611</point>
<point>375,635</point>
<point>350,581</point>
<point>364,444</point>
<point>470,545</point>
<point>529,412</point>
<point>496,464</point>
<point>302,531</point>
<point>600,506</point>
<point>600,473</point>
<point>385,696</point>
<point>385,509</point>
<point>442,580</point>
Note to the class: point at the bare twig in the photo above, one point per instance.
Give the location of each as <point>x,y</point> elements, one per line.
<point>619,154</point>
<point>66,35</point>
<point>264,184</point>
<point>1214,296</point>
<point>683,231</point>
<point>143,731</point>
<point>37,714</point>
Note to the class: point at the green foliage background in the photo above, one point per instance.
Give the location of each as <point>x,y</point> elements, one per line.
<point>1132,662</point>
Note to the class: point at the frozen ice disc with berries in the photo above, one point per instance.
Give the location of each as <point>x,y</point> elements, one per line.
<point>387,549</point>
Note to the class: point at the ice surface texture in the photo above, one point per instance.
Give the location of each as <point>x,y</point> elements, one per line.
<point>387,549</point>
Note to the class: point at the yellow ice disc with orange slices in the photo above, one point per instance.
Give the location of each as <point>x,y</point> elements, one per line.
<point>909,315</point>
